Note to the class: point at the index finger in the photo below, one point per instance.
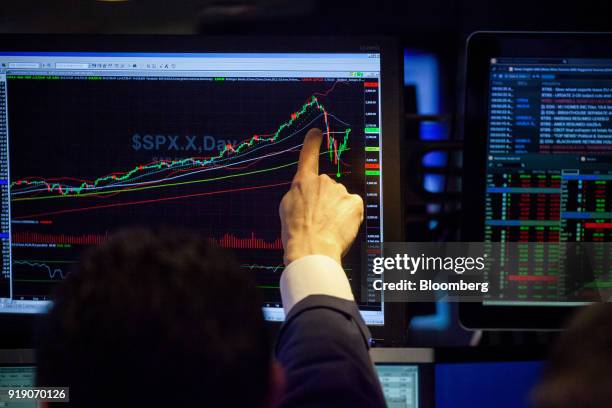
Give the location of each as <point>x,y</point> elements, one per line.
<point>309,155</point>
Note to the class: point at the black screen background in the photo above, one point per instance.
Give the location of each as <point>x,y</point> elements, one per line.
<point>84,128</point>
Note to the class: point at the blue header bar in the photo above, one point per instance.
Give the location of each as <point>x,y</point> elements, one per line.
<point>187,54</point>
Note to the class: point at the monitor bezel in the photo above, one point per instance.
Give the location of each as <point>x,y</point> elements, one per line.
<point>20,326</point>
<point>480,48</point>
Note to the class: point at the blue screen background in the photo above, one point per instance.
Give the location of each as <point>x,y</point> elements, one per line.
<point>496,384</point>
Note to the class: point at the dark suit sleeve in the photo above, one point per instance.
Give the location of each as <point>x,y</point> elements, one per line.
<point>323,348</point>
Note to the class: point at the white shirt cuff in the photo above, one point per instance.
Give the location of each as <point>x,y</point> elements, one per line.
<point>313,275</point>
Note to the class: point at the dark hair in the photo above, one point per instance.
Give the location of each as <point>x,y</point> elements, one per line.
<point>578,373</point>
<point>152,318</point>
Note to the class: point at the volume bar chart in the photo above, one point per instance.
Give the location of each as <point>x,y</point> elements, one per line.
<point>252,242</point>
<point>38,238</point>
<point>225,241</point>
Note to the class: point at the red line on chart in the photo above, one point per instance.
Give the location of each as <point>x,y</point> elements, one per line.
<point>325,93</point>
<point>156,200</point>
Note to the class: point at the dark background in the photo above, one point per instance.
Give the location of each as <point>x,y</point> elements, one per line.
<point>84,129</point>
<point>438,25</point>
<point>433,35</point>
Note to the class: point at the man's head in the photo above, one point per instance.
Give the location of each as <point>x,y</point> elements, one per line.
<point>156,318</point>
<point>578,373</point>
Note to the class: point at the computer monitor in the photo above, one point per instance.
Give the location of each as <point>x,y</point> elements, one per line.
<point>106,132</point>
<point>487,376</point>
<point>400,384</point>
<point>17,369</point>
<point>406,376</point>
<point>538,148</point>
<point>486,383</point>
<point>17,376</point>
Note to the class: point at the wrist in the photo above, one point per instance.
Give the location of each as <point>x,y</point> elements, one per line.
<point>299,248</point>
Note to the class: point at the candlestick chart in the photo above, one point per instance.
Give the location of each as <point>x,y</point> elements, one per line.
<point>90,157</point>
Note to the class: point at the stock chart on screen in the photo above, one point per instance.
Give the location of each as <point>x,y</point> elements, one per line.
<point>549,177</point>
<point>92,143</point>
